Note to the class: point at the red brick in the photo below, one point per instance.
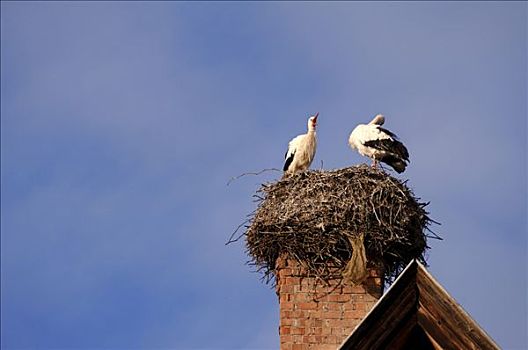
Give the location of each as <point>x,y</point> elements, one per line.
<point>286,289</point>
<point>314,314</point>
<point>312,339</point>
<point>329,339</point>
<point>317,323</point>
<point>332,323</point>
<point>293,281</point>
<point>285,271</point>
<point>287,306</point>
<point>314,321</point>
<point>297,330</point>
<point>331,314</point>
<point>341,298</point>
<point>307,306</point>
<point>297,339</point>
<point>326,330</point>
<point>304,322</point>
<point>348,330</point>
<point>337,331</point>
<point>303,297</point>
<point>299,314</point>
<point>324,347</point>
<point>285,297</point>
<point>284,314</point>
<point>286,321</point>
<point>335,306</point>
<point>296,271</point>
<point>356,306</point>
<point>284,330</point>
<point>354,289</point>
<point>285,338</point>
<point>354,314</point>
<point>316,330</point>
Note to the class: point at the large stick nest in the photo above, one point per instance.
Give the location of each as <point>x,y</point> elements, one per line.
<point>317,217</point>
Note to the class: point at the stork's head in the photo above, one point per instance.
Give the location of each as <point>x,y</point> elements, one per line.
<point>312,122</point>
<point>378,120</point>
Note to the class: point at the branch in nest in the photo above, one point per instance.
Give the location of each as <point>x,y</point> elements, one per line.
<point>231,240</point>
<point>244,174</point>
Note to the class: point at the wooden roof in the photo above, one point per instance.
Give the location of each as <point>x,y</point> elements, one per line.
<point>417,313</point>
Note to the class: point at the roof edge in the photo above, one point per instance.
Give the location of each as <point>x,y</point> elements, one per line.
<point>456,304</point>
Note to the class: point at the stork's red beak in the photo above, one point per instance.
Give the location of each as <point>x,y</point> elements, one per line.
<point>315,117</point>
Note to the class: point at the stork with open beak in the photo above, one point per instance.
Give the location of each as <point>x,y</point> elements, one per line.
<point>301,149</point>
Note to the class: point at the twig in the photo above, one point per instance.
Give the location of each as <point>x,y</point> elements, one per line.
<point>231,240</point>
<point>244,174</point>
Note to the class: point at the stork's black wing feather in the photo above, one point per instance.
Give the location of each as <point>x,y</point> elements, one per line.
<point>288,161</point>
<point>388,145</point>
<point>388,132</point>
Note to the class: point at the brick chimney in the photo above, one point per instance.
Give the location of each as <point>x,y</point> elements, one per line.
<point>315,315</point>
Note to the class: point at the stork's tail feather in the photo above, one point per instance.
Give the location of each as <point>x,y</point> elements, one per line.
<point>399,166</point>
<point>395,162</point>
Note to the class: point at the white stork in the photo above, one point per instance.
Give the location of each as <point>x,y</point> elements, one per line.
<point>301,149</point>
<point>379,144</point>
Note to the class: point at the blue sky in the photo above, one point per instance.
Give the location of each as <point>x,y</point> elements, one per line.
<point>121,123</point>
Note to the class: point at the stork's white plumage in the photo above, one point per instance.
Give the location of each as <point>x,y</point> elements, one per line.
<point>379,144</point>
<point>301,149</point>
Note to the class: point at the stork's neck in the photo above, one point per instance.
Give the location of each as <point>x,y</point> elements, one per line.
<point>311,128</point>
